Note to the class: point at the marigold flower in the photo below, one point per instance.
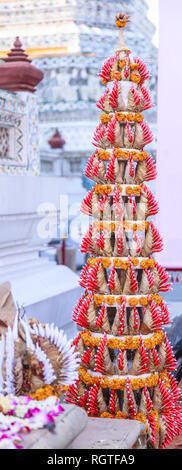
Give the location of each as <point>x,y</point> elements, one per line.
<point>135,77</point>
<point>120,23</point>
<point>143,301</point>
<point>131,117</point>
<point>110,300</point>
<point>121,63</point>
<point>105,118</point>
<point>134,66</point>
<point>136,190</point>
<point>117,262</point>
<point>128,190</point>
<point>105,414</point>
<point>121,415</point>
<point>103,154</point>
<point>106,262</point>
<point>135,261</point>
<point>139,117</point>
<point>98,299</point>
<point>115,74</point>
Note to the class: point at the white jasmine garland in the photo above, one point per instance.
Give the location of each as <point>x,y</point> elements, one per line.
<point>2,343</point>
<point>68,372</point>
<point>23,418</point>
<point>15,327</point>
<point>9,361</point>
<point>29,341</point>
<point>34,329</point>
<point>49,375</point>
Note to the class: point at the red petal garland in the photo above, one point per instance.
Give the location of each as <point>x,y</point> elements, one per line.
<point>86,357</point>
<point>110,130</point>
<point>120,360</point>
<point>86,204</point>
<point>155,356</point>
<point>83,399</point>
<point>112,407</point>
<point>100,241</point>
<point>156,315</point>
<point>81,319</point>
<point>113,97</point>
<point>134,283</point>
<point>99,366</point>
<point>119,238</point>
<point>98,135</point>
<point>121,317</point>
<point>84,276</point>
<point>157,239</point>
<point>92,281</point>
<point>101,100</point>
<point>142,69</point>
<point>164,278</point>
<point>77,308</point>
<point>86,245</point>
<point>136,318</point>
<point>116,202</point>
<point>147,99</point>
<point>153,207</point>
<point>111,279</point>
<point>135,95</point>
<point>138,240</point>
<point>110,173</point>
<point>100,316</point>
<point>149,277</point>
<point>72,393</point>
<point>92,404</point>
<point>147,134</point>
<point>130,133</point>
<point>132,409</point>
<point>171,362</point>
<point>88,168</point>
<point>106,68</point>
<point>132,168</point>
<point>151,169</point>
<point>144,357</point>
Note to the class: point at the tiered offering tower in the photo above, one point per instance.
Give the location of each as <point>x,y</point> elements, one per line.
<point>126,358</point>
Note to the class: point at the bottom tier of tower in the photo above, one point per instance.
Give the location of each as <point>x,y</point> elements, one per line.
<point>151,398</point>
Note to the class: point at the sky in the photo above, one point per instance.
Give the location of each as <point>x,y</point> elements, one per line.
<point>153,14</point>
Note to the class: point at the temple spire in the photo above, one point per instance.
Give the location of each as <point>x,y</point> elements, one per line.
<point>17,53</point>
<point>16,71</point>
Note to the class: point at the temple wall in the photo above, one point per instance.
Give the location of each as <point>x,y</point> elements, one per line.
<point>19,145</point>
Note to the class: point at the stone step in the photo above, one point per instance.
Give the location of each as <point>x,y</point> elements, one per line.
<point>48,283</point>
<point>28,267</point>
<point>102,433</point>
<point>68,426</point>
<point>18,258</point>
<point>48,294</point>
<point>18,249</point>
<point>14,243</point>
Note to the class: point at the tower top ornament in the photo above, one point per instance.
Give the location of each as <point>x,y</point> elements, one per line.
<point>121,20</point>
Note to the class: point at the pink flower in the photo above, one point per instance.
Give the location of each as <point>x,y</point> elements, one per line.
<point>31,412</point>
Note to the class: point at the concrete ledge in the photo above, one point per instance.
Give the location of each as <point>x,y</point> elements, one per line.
<point>103,433</point>
<point>49,295</point>
<point>68,425</point>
